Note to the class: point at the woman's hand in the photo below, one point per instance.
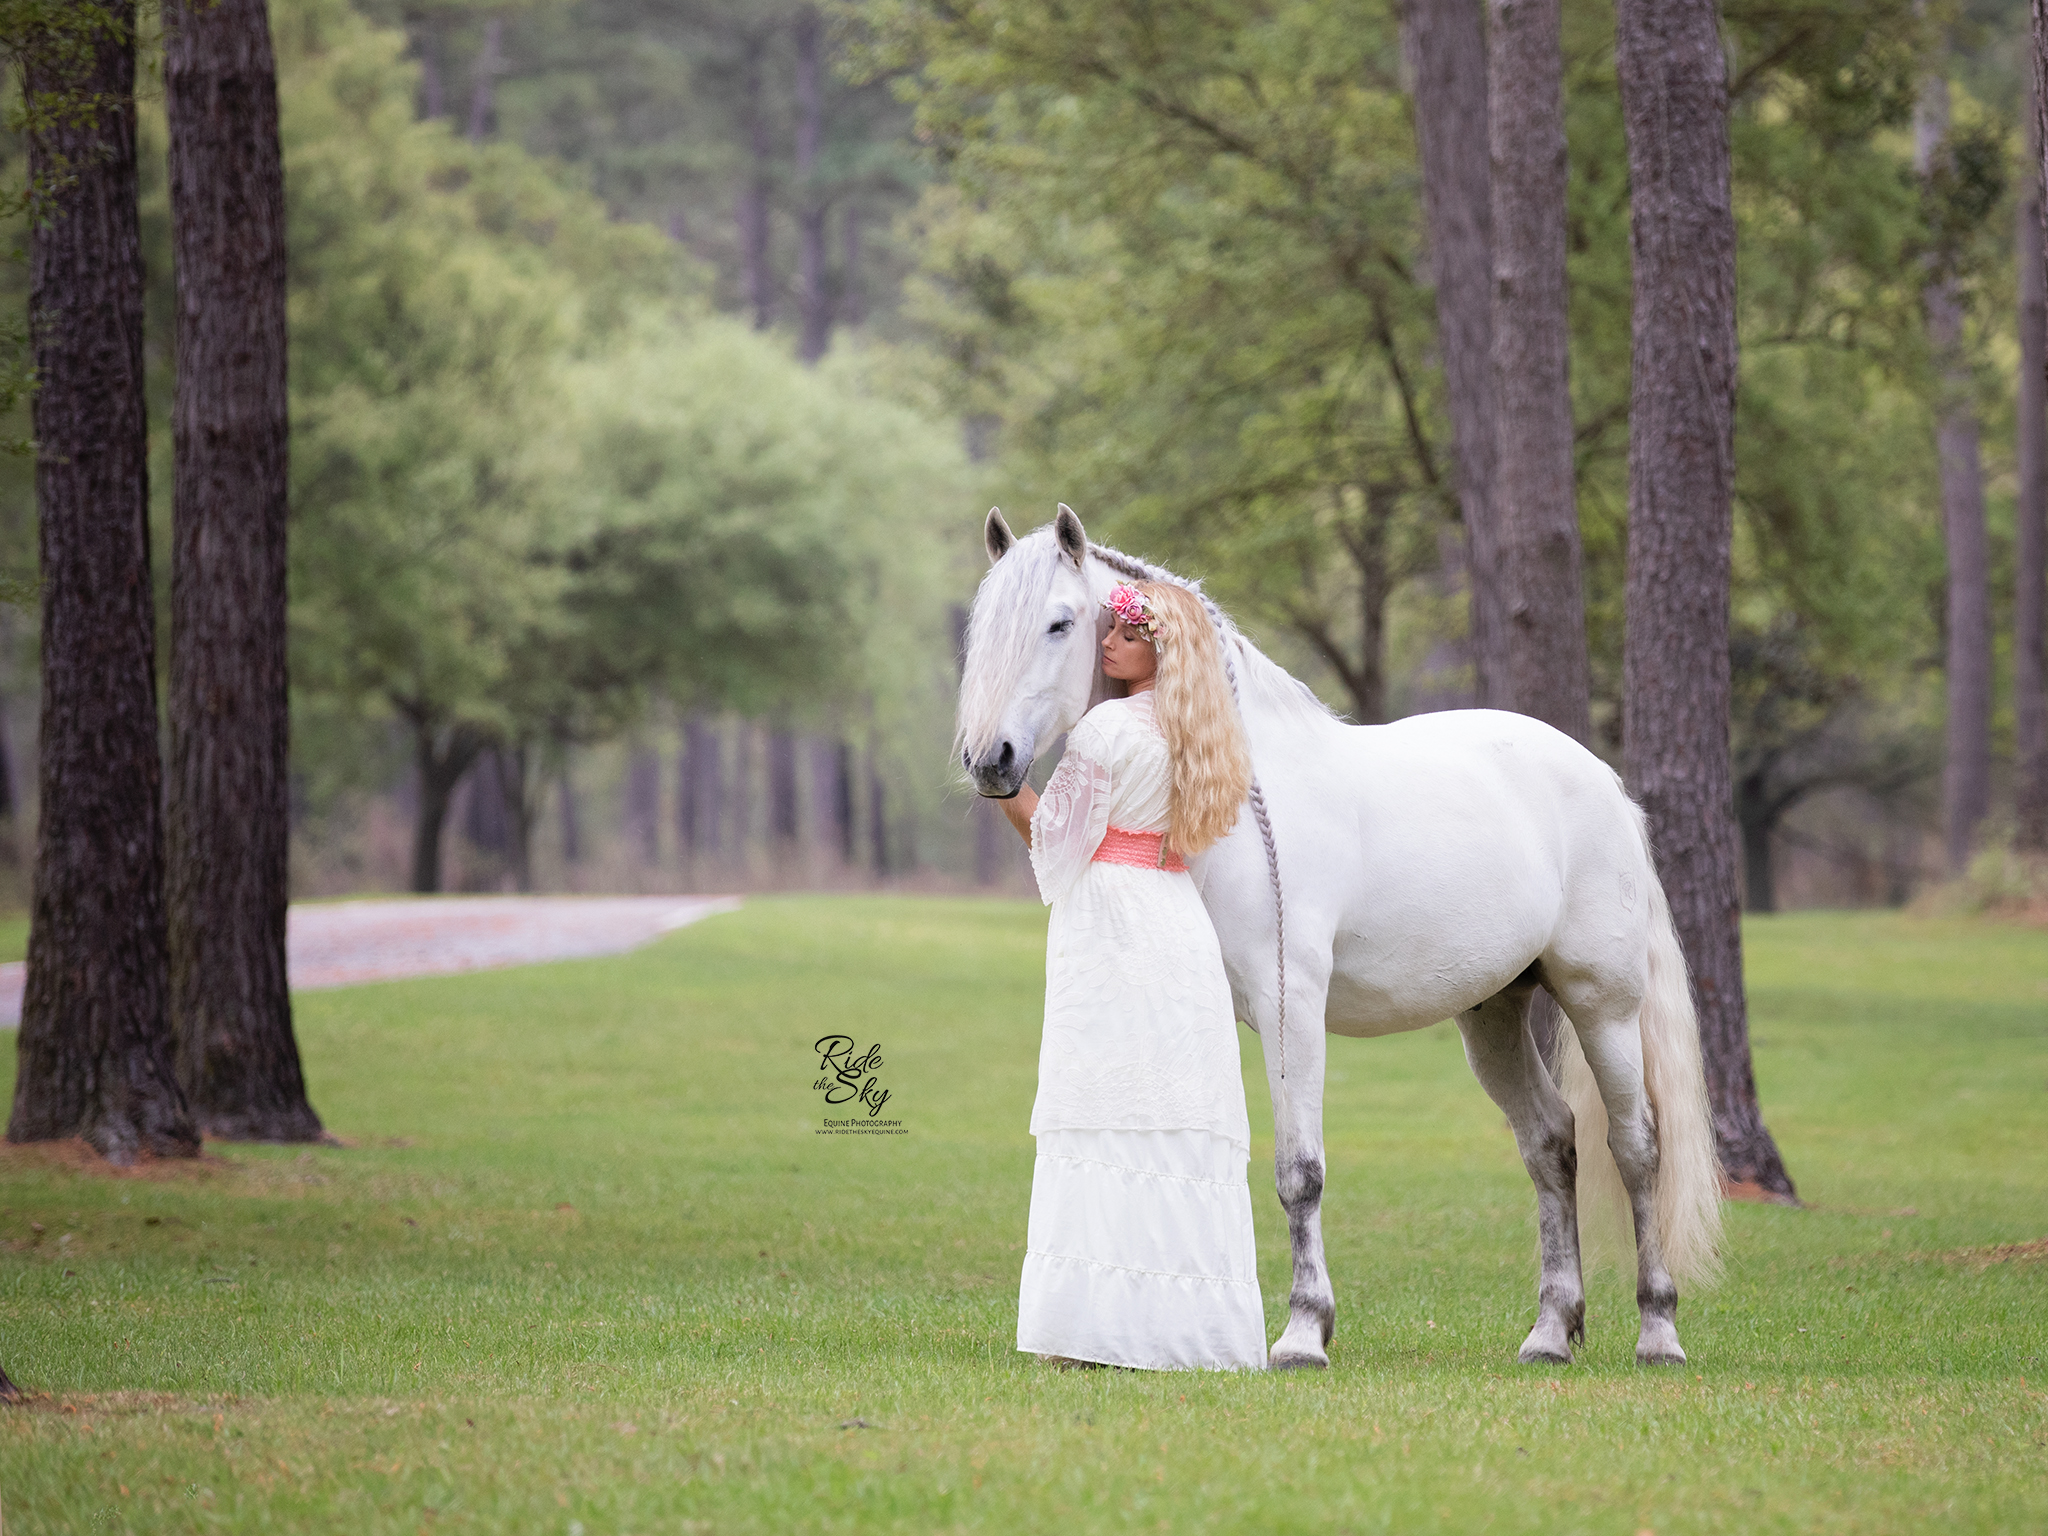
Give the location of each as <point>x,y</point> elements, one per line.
<point>1019,809</point>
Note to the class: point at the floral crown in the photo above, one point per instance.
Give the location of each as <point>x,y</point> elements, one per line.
<point>1130,607</point>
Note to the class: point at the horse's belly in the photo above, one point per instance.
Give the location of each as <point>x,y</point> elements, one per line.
<point>1378,989</point>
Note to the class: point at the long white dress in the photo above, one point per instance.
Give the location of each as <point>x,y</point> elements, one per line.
<point>1140,1249</point>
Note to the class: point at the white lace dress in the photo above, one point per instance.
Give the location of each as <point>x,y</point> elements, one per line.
<point>1140,1250</point>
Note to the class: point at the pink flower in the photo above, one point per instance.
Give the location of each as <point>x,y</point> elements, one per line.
<point>1130,607</point>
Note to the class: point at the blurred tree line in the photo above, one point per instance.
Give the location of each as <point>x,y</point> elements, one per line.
<point>545,494</point>
<point>560,479</point>
<point>1176,267</point>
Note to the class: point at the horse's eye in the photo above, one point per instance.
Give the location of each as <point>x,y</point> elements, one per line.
<point>1061,627</point>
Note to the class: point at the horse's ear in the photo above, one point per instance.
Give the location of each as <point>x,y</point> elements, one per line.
<point>1073,538</point>
<point>996,536</point>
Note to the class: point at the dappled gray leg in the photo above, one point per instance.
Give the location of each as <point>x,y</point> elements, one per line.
<point>1614,1052</point>
<point>1298,1171</point>
<point>1504,1059</point>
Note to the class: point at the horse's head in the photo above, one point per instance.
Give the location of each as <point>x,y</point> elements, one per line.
<point>1034,649</point>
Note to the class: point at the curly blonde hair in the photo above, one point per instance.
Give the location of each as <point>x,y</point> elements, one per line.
<point>1192,701</point>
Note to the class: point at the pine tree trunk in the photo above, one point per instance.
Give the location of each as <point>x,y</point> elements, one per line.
<point>853,308</point>
<point>1675,694</point>
<point>878,820</point>
<point>228,824</point>
<point>572,840</point>
<point>2030,637</point>
<point>810,220</point>
<point>697,786</point>
<point>1446,43</point>
<point>782,792</point>
<point>519,791</point>
<point>1966,772</point>
<point>1534,496</point>
<point>95,1051</point>
<point>826,831</point>
<point>742,810</point>
<point>643,803</point>
<point>8,805</point>
<point>483,85</point>
<point>755,191</point>
<point>442,755</point>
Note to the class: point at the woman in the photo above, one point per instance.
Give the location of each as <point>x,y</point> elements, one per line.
<point>1140,1250</point>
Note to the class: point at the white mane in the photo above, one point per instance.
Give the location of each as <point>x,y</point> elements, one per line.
<point>1004,624</point>
<point>1255,677</point>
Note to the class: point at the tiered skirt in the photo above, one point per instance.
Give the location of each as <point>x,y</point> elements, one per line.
<point>1140,1252</point>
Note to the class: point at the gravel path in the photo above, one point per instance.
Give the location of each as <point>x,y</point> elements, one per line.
<point>338,944</point>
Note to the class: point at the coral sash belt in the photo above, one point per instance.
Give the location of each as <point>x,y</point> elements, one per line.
<point>1140,850</point>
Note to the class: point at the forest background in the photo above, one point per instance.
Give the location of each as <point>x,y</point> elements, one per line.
<point>652,364</point>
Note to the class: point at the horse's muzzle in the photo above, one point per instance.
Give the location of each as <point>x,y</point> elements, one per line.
<point>999,773</point>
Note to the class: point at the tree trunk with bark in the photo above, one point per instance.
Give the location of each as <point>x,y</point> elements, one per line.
<point>572,839</point>
<point>2030,605</point>
<point>1675,695</point>
<point>442,754</point>
<point>1446,45</point>
<point>782,793</point>
<point>483,83</point>
<point>521,784</point>
<point>1966,773</point>
<point>1534,493</point>
<point>816,298</point>
<point>228,827</point>
<point>643,804</point>
<point>758,186</point>
<point>878,820</point>
<point>699,790</point>
<point>853,308</point>
<point>95,1050</point>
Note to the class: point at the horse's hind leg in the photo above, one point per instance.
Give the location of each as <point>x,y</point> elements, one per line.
<point>1614,1051</point>
<point>1505,1060</point>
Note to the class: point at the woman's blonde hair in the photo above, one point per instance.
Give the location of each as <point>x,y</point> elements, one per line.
<point>1212,762</point>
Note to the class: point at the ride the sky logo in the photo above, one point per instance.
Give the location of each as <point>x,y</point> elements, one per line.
<point>853,1081</point>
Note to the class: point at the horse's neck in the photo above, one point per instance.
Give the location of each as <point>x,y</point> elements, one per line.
<point>1277,708</point>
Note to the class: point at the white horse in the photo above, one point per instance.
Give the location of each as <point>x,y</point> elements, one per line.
<point>1390,876</point>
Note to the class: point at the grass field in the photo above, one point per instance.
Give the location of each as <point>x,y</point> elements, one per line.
<point>589,1267</point>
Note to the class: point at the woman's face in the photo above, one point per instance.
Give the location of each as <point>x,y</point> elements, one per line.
<point>1128,656</point>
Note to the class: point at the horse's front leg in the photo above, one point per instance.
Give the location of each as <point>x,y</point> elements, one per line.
<point>1298,1156</point>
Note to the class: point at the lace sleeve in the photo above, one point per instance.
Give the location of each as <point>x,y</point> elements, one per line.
<point>1071,818</point>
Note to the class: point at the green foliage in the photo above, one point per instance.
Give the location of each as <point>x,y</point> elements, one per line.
<point>595,1267</point>
<point>1178,263</point>
<point>533,479</point>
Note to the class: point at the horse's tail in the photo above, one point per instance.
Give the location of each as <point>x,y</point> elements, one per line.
<point>1687,1197</point>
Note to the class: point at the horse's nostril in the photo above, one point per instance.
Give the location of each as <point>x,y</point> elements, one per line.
<point>1009,753</point>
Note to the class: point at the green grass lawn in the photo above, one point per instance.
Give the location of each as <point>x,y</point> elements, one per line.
<point>589,1268</point>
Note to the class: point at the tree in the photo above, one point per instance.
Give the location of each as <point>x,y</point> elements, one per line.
<point>1681,487</point>
<point>95,1046</point>
<point>1446,42</point>
<point>228,816</point>
<point>1549,675</point>
<point>2030,605</point>
<point>1966,772</point>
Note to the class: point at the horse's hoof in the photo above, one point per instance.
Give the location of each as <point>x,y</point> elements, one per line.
<point>1658,1344</point>
<point>1549,1345</point>
<point>1297,1360</point>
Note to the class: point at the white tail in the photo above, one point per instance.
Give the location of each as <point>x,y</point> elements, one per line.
<point>1687,1199</point>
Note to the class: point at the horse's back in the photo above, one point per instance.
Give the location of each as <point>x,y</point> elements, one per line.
<point>1445,852</point>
